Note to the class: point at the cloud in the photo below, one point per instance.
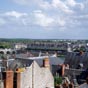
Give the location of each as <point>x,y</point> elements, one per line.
<point>71,2</point>
<point>61,22</point>
<point>62,6</point>
<point>42,19</point>
<point>66,18</point>
<point>75,4</point>
<point>14,18</point>
<point>66,6</point>
<point>45,4</point>
<point>28,2</point>
<point>22,2</point>
<point>2,21</point>
<point>53,14</point>
<point>15,14</point>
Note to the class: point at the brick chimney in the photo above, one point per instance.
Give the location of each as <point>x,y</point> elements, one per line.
<point>63,69</point>
<point>67,66</point>
<point>46,63</point>
<point>8,79</point>
<point>17,79</point>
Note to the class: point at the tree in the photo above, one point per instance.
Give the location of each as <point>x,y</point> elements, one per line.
<point>57,80</point>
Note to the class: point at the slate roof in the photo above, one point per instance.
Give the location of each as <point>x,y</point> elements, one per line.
<point>75,58</point>
<point>53,60</point>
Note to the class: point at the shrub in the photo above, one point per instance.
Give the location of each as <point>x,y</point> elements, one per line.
<point>57,80</point>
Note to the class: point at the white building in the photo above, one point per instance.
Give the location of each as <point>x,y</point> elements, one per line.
<point>36,77</point>
<point>20,46</point>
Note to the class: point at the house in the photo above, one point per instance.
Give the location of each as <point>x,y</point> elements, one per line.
<point>18,46</point>
<point>85,85</point>
<point>53,61</point>
<point>31,76</point>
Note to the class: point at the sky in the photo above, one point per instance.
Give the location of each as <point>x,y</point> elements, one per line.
<point>44,19</point>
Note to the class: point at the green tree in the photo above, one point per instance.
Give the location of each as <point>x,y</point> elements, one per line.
<point>57,80</point>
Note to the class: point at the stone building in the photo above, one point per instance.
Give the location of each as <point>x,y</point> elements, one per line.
<point>31,76</point>
<point>78,66</point>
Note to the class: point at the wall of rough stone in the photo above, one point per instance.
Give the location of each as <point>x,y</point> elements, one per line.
<point>37,77</point>
<point>1,84</point>
<point>42,77</point>
<point>26,78</point>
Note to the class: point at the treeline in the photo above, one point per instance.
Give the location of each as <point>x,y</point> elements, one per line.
<point>28,40</point>
<point>8,43</point>
<point>4,45</point>
<point>15,40</point>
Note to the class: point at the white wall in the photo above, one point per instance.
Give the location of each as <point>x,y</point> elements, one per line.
<point>41,77</point>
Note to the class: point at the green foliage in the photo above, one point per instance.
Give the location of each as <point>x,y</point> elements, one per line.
<point>4,45</point>
<point>57,80</point>
<point>3,57</point>
<point>82,48</point>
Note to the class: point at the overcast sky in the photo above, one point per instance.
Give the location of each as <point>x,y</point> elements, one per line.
<point>44,19</point>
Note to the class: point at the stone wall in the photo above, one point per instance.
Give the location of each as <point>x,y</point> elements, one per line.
<point>26,78</point>
<point>1,84</point>
<point>36,77</point>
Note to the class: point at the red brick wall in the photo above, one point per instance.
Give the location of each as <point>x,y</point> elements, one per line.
<point>8,79</point>
<point>18,79</point>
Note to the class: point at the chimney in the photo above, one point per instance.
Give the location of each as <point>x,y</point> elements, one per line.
<point>67,66</point>
<point>46,63</point>
<point>17,79</point>
<point>63,69</point>
<point>8,79</point>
